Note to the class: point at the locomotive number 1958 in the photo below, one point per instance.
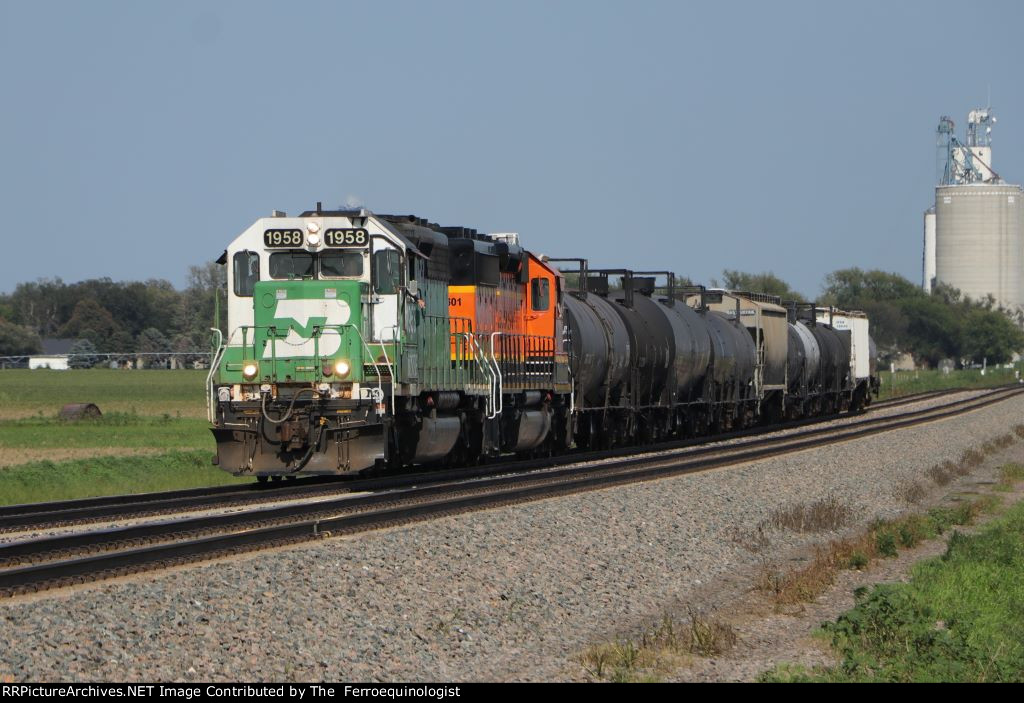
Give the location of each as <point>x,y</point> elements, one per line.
<point>282,238</point>
<point>346,238</point>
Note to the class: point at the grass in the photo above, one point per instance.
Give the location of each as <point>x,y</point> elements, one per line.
<point>900,383</point>
<point>146,392</point>
<point>882,539</point>
<point>1009,476</point>
<point>81,478</point>
<point>153,434</point>
<point>821,515</point>
<point>959,619</point>
<point>112,429</point>
<point>825,514</point>
<point>659,650</point>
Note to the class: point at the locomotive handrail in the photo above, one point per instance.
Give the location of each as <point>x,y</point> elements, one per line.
<point>487,371</point>
<point>499,399</point>
<point>376,368</point>
<point>391,369</point>
<point>211,410</point>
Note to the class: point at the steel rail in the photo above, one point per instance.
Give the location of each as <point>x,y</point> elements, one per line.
<point>108,508</point>
<point>253,528</point>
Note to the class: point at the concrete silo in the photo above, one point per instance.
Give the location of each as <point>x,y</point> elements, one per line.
<point>928,272</point>
<point>974,235</point>
<point>978,240</point>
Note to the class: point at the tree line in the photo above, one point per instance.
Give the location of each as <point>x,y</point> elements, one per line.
<point>113,316</point>
<point>153,317</point>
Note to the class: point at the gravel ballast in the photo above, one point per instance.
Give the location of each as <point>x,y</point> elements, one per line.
<point>511,593</point>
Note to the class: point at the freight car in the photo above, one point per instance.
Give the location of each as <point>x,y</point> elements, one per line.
<point>359,341</point>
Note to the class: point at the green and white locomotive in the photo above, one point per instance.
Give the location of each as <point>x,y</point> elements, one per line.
<point>341,354</point>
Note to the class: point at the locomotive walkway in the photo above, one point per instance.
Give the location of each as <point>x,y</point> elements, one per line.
<point>51,562</point>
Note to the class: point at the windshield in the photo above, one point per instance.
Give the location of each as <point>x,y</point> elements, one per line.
<point>335,264</point>
<point>291,264</point>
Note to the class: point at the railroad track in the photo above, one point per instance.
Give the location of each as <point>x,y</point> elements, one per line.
<point>14,518</point>
<point>75,558</point>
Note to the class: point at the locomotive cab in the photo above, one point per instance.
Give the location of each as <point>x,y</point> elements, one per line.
<point>303,378</point>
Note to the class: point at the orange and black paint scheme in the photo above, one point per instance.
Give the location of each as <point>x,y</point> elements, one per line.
<point>513,307</point>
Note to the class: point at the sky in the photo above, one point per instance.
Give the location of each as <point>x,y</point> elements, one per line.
<point>138,139</point>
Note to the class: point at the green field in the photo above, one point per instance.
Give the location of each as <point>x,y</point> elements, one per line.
<point>112,430</point>
<point>899,383</point>
<point>959,619</point>
<point>40,481</point>
<point>153,434</point>
<point>145,392</point>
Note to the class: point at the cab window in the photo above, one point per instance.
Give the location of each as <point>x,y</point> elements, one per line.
<point>540,293</point>
<point>334,264</point>
<point>291,264</point>
<point>245,271</point>
<point>387,271</point>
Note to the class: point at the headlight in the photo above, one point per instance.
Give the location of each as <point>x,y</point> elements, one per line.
<point>342,367</point>
<point>250,370</point>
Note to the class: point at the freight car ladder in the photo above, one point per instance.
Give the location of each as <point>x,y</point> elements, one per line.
<point>759,370</point>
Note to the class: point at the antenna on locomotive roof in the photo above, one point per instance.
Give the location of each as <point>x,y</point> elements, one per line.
<point>319,207</point>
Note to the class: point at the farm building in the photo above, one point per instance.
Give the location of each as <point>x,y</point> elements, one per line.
<point>54,356</point>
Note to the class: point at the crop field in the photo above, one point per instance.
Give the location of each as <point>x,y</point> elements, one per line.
<point>152,436</point>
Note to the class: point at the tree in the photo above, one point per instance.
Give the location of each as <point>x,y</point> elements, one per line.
<point>16,340</point>
<point>121,342</point>
<point>91,321</point>
<point>942,325</point>
<point>152,341</point>
<point>766,282</point>
<point>989,334</point>
<point>41,306</point>
<point>82,355</point>
<point>850,288</point>
<point>934,329</point>
<point>205,284</point>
